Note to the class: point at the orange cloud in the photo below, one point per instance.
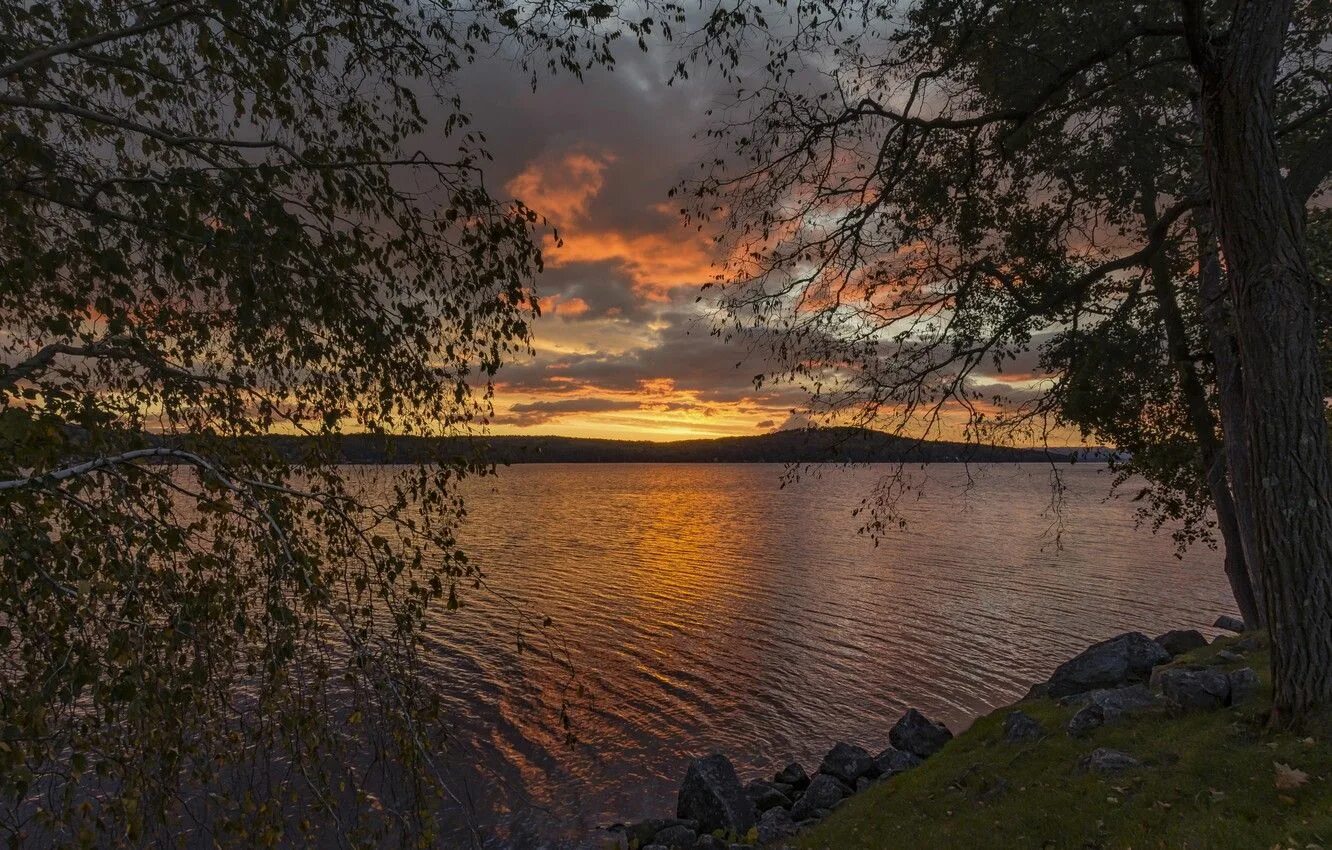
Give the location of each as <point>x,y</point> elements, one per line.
<point>657,262</point>
<point>555,305</point>
<point>561,190</point>
<point>564,190</point>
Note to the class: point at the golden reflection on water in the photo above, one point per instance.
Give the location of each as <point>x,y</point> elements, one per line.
<point>706,609</point>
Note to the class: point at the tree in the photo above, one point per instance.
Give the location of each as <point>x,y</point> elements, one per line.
<point>218,224</point>
<point>1258,213</point>
<point>964,182</point>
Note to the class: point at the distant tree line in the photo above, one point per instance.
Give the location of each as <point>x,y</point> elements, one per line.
<point>797,446</point>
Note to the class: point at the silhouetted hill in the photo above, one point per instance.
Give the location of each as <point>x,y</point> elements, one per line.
<point>822,445</point>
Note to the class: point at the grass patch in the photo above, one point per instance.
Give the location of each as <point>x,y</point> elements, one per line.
<point>1208,781</point>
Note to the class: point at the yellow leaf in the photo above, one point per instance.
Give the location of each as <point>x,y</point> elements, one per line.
<point>1289,778</point>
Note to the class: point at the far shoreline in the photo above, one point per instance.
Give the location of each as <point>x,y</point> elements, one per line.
<point>833,446</point>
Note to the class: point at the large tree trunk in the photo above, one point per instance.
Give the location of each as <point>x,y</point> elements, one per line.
<point>1211,457</point>
<point>1272,291</point>
<point>1219,321</point>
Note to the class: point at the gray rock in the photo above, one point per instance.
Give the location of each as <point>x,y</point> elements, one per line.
<point>1020,727</point>
<point>676,836</point>
<point>864,783</point>
<point>846,762</point>
<point>1113,663</point>
<point>1115,703</point>
<point>708,841</point>
<point>643,832</point>
<point>794,775</point>
<point>712,795</point>
<point>1040,690</point>
<point>1194,688</point>
<point>1248,643</point>
<point>656,847</point>
<point>1180,641</point>
<point>1244,685</point>
<point>1105,760</point>
<point>1230,624</point>
<point>775,825</point>
<point>766,795</point>
<point>1225,656</point>
<point>892,761</point>
<point>1088,718</point>
<point>824,792</point>
<point>917,735</point>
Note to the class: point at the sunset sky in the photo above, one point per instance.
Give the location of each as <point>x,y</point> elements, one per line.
<point>623,348</point>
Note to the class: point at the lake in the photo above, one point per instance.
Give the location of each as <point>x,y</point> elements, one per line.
<point>704,608</point>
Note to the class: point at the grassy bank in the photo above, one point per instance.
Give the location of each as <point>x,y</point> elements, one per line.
<point>1208,780</point>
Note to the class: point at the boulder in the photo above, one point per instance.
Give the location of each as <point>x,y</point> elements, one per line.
<point>1248,643</point>
<point>775,825</point>
<point>1104,760</point>
<point>712,795</point>
<point>1230,624</point>
<point>892,761</point>
<point>656,847</point>
<point>1087,719</point>
<point>846,762</point>
<point>917,735</point>
<point>824,792</point>
<point>1020,727</point>
<point>794,775</point>
<point>1227,656</point>
<point>864,783</point>
<point>1180,641</point>
<point>1244,685</point>
<point>1115,703</point>
<point>676,836</point>
<point>1194,688</point>
<point>1113,663</point>
<point>642,832</point>
<point>708,841</point>
<point>766,795</point>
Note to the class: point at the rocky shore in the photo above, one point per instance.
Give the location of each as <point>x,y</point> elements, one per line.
<point>1125,675</point>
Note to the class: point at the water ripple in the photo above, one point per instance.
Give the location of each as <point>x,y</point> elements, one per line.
<point>707,609</point>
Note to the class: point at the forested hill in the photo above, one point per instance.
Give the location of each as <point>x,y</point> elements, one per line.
<point>835,445</point>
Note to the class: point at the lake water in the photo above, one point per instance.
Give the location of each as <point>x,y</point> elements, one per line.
<point>706,609</point>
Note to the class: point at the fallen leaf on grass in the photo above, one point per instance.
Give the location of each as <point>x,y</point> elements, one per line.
<point>1289,778</point>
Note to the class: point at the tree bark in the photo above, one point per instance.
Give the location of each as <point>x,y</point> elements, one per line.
<point>1261,231</point>
<point>1211,457</point>
<point>1218,318</point>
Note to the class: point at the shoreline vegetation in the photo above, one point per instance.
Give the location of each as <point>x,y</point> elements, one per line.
<point>1136,742</point>
<point>810,445</point>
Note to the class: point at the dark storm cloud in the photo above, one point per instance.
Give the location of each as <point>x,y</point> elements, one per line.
<point>537,412</point>
<point>606,287</point>
<point>644,126</point>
